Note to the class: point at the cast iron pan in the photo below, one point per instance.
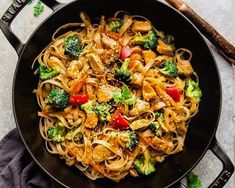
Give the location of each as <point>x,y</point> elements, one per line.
<point>201,133</point>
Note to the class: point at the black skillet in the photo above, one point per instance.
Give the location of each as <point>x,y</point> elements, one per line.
<point>201,133</point>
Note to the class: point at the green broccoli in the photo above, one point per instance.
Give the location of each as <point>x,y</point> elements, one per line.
<point>193,181</point>
<point>154,127</point>
<point>58,99</point>
<point>123,96</point>
<point>123,74</point>
<point>73,46</point>
<point>144,164</point>
<point>70,135</point>
<point>169,68</point>
<point>169,39</point>
<point>38,9</point>
<point>46,73</point>
<point>88,106</point>
<point>158,115</point>
<point>193,90</point>
<point>102,110</point>
<point>148,41</point>
<point>130,139</point>
<point>115,25</point>
<point>56,133</point>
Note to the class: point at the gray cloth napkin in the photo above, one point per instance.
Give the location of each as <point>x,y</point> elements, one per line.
<point>17,168</point>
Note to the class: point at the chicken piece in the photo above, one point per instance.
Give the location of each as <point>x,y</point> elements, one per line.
<point>105,93</point>
<point>148,91</point>
<point>136,66</point>
<point>108,42</point>
<point>185,67</point>
<point>137,79</point>
<point>149,58</point>
<point>140,124</point>
<point>91,120</point>
<point>136,56</point>
<point>163,48</point>
<point>139,107</point>
<point>111,55</point>
<point>141,26</point>
<point>100,153</point>
<point>96,63</point>
<point>159,144</point>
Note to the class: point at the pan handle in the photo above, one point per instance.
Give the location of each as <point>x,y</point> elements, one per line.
<point>228,167</point>
<point>12,12</point>
<point>5,24</point>
<point>53,4</point>
<point>226,172</point>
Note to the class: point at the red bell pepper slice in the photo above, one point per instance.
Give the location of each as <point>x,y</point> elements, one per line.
<point>118,121</point>
<point>174,93</point>
<point>126,52</point>
<point>78,99</point>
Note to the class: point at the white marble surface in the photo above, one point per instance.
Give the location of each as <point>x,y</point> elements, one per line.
<point>220,13</point>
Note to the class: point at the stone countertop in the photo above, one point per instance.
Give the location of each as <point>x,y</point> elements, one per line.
<point>219,13</point>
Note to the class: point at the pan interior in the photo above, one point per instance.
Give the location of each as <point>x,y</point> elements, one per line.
<point>202,127</point>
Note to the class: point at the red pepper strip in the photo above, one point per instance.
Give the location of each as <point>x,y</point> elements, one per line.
<point>126,52</point>
<point>78,99</point>
<point>119,122</point>
<point>174,93</point>
<point>113,35</point>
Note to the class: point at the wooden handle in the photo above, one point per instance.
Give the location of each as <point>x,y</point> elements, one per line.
<point>227,49</point>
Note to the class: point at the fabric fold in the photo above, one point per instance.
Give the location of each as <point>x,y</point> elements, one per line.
<point>17,168</point>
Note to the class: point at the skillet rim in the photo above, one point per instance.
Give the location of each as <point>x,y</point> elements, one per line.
<point>156,1</point>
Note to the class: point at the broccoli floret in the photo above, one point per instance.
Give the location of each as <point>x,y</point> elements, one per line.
<point>38,9</point>
<point>123,74</point>
<point>159,115</point>
<point>169,68</point>
<point>115,25</point>
<point>102,110</point>
<point>169,39</point>
<point>46,73</point>
<point>144,165</point>
<point>193,90</point>
<point>123,96</point>
<point>193,181</point>
<point>154,127</point>
<point>70,135</point>
<point>73,46</point>
<point>148,41</point>
<point>56,133</point>
<point>58,98</point>
<point>87,106</point>
<point>129,138</point>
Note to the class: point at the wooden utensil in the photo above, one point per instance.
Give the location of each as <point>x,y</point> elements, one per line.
<point>226,49</point>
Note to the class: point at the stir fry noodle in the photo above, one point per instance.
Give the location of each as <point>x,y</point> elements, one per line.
<point>116,97</point>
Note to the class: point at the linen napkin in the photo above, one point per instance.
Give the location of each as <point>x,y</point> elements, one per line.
<point>17,168</point>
